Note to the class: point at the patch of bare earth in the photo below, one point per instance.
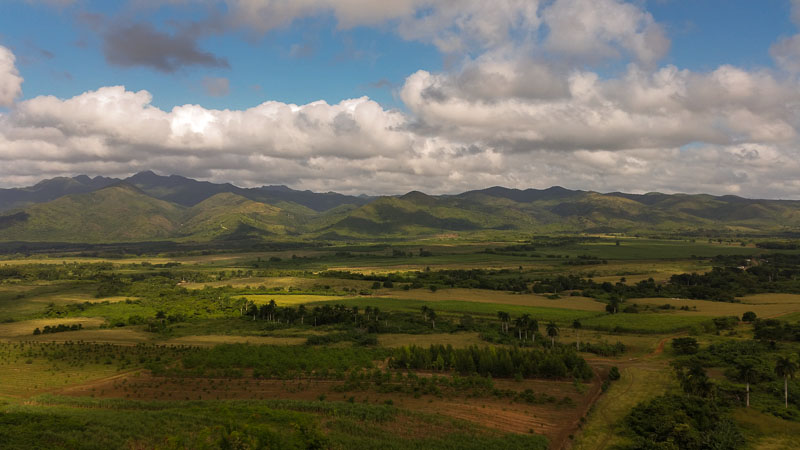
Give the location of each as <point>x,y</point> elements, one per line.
<point>557,420</point>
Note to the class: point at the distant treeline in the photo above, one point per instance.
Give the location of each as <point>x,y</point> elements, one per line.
<point>58,328</point>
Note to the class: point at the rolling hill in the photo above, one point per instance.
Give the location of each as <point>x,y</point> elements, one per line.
<point>148,207</point>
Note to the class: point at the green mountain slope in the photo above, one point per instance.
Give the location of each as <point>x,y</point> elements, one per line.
<point>114,214</point>
<point>226,213</point>
<point>125,213</point>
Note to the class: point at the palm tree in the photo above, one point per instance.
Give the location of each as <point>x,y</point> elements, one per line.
<point>519,322</point>
<point>526,320</point>
<point>552,331</point>
<point>368,312</point>
<point>533,325</point>
<point>504,319</point>
<point>576,324</point>
<point>747,372</point>
<point>785,368</point>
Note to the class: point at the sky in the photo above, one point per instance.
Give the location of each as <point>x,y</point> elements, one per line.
<point>385,97</point>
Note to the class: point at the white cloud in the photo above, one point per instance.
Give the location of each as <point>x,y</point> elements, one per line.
<point>665,108</point>
<point>526,111</point>
<point>786,53</point>
<point>10,80</point>
<point>601,29</point>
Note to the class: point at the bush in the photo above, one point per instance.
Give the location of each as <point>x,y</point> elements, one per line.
<point>685,346</point>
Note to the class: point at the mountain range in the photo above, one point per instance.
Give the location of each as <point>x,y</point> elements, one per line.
<point>151,207</point>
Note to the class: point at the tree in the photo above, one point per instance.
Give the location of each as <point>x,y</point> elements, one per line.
<point>533,326</point>
<point>613,305</point>
<point>376,311</point>
<point>685,345</point>
<point>429,314</point>
<point>749,316</point>
<point>552,331</point>
<point>368,312</point>
<point>785,368</point>
<point>521,323</point>
<point>576,324</point>
<point>301,311</point>
<point>505,318</point>
<point>747,373</point>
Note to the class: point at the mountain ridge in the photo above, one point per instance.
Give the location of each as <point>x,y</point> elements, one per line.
<point>148,206</point>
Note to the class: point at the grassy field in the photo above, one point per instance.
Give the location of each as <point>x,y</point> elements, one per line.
<point>23,376</point>
<point>764,305</point>
<point>455,307</point>
<point>637,384</point>
<point>336,406</point>
<point>292,299</point>
<point>25,328</point>
<point>644,322</point>
<point>457,340</point>
<point>767,432</point>
<point>495,297</point>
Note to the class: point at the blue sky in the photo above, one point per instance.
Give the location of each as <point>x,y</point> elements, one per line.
<point>328,63</point>
<point>436,95</point>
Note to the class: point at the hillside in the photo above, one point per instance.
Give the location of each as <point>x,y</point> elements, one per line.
<point>178,208</point>
<point>224,214</point>
<point>113,214</point>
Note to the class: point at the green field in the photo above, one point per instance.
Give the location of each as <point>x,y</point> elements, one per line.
<point>189,347</point>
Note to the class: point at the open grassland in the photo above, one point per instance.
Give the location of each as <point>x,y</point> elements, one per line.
<point>290,424</point>
<point>652,249</point>
<point>644,322</point>
<point>23,376</point>
<point>25,328</point>
<point>15,261</point>
<point>457,340</point>
<point>636,345</point>
<point>767,432</point>
<point>121,336</point>
<point>636,271</point>
<point>291,299</point>
<point>495,297</point>
<point>454,307</point>
<point>764,305</point>
<point>301,283</point>
<point>636,384</point>
<point>216,339</point>
<point>26,300</point>
<point>481,410</point>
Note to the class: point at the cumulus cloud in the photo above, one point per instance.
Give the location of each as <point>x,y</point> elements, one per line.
<point>10,80</point>
<point>143,45</point>
<point>601,29</point>
<point>523,108</point>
